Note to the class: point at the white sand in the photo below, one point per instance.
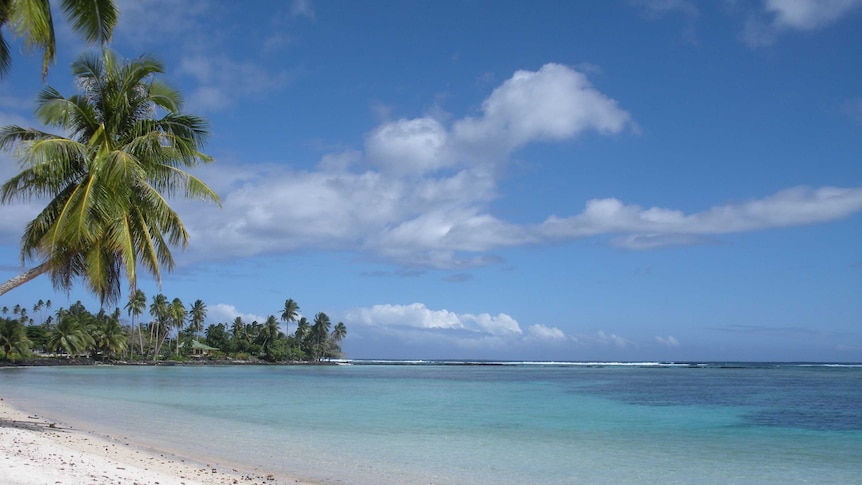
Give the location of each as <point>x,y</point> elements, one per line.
<point>35,451</point>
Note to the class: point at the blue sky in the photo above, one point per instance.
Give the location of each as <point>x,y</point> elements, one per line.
<point>633,180</point>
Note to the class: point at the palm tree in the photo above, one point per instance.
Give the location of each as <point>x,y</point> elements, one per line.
<point>160,311</point>
<point>268,332</point>
<point>108,334</point>
<point>301,329</point>
<point>237,328</point>
<point>319,333</point>
<point>94,20</point>
<point>177,314</point>
<point>289,314</point>
<point>339,332</point>
<point>70,334</point>
<point>108,179</point>
<point>38,307</point>
<point>197,315</point>
<point>300,336</point>
<point>135,307</point>
<point>13,340</point>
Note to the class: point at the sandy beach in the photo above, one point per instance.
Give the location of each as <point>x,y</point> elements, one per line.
<point>35,451</point>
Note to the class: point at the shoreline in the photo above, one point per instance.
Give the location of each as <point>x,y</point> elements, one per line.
<point>86,361</point>
<point>36,450</point>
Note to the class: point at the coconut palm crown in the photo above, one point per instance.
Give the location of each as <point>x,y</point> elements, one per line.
<point>108,179</point>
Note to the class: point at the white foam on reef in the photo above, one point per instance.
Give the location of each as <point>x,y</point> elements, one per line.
<point>518,363</point>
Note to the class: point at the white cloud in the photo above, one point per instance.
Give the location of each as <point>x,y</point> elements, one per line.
<point>668,341</point>
<point>543,332</point>
<point>809,14</point>
<point>800,15</point>
<point>417,315</point>
<point>302,8</point>
<point>424,196</point>
<point>423,199</point>
<point>500,324</point>
<point>611,339</point>
<point>417,323</point>
<point>414,315</point>
<point>553,103</point>
<point>408,146</point>
<point>654,227</point>
<point>225,313</point>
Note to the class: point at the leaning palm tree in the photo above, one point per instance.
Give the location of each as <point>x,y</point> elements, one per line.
<point>92,19</point>
<point>108,181</point>
<point>289,314</point>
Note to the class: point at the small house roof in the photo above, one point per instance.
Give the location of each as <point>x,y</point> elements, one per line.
<point>199,346</point>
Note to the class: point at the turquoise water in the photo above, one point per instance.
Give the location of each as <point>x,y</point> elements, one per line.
<point>497,424</point>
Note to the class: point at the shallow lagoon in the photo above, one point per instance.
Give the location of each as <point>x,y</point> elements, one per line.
<point>477,424</point>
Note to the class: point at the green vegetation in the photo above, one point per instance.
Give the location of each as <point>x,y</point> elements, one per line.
<point>124,150</point>
<point>173,333</point>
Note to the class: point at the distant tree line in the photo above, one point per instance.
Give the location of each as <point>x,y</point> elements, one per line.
<point>173,332</point>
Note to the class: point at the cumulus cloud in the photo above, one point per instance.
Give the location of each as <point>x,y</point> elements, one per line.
<point>463,329</point>
<point>543,332</point>
<point>225,313</point>
<point>408,146</point>
<point>656,227</point>
<point>553,103</point>
<point>419,193</point>
<point>423,197</point>
<point>417,315</point>
<point>800,15</point>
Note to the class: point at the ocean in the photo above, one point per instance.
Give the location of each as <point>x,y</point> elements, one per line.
<point>377,423</point>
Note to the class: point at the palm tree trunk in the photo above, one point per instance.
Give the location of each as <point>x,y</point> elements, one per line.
<point>25,277</point>
<point>140,338</point>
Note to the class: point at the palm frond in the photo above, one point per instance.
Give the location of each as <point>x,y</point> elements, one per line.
<point>93,19</point>
<point>32,20</point>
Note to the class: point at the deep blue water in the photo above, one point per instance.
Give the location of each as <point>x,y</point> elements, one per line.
<point>444,423</point>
